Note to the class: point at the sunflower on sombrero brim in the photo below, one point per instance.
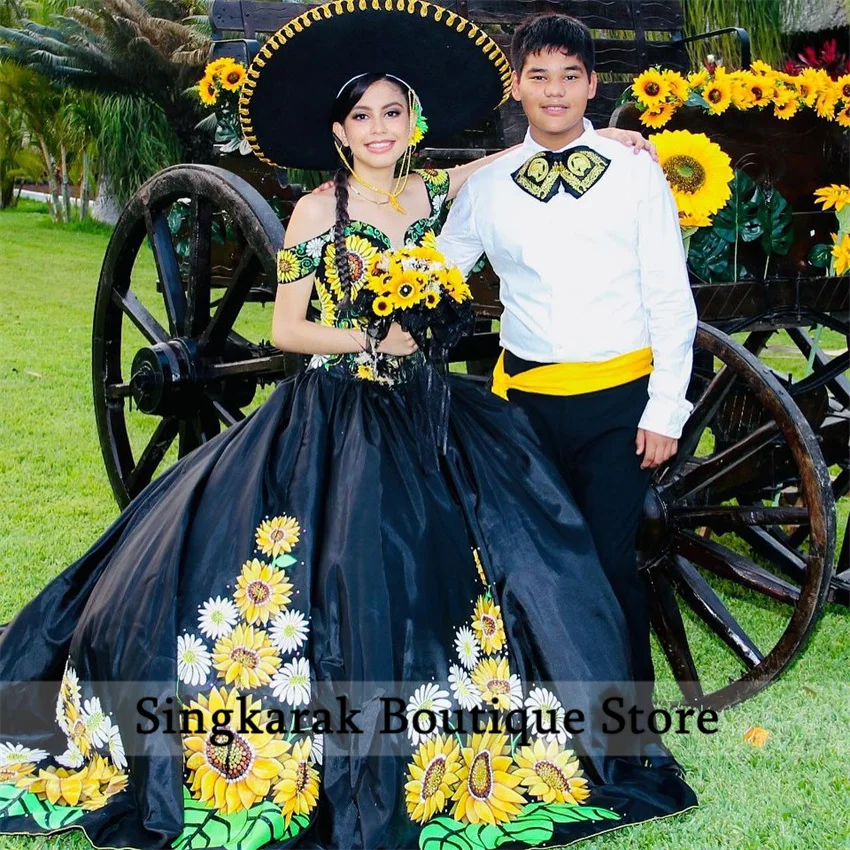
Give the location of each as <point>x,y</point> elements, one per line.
<point>458,72</point>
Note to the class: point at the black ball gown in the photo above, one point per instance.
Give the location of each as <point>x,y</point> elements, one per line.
<point>306,559</point>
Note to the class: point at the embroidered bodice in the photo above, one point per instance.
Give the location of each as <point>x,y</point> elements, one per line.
<point>364,243</point>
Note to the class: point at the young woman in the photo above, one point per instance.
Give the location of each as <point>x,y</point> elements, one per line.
<point>311,632</point>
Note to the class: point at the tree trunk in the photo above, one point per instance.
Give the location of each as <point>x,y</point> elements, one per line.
<point>66,183</point>
<point>84,187</point>
<point>50,165</point>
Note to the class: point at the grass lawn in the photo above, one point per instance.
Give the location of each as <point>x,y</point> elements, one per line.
<point>792,794</point>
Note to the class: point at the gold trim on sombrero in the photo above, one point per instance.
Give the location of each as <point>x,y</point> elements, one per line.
<point>335,7</point>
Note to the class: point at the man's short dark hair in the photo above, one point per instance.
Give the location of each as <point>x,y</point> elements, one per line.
<point>552,32</point>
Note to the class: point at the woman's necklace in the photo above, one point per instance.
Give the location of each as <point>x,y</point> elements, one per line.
<point>366,197</point>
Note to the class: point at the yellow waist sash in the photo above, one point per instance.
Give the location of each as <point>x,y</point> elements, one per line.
<point>574,378</point>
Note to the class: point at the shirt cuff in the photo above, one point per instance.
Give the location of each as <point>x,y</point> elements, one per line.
<point>665,417</point>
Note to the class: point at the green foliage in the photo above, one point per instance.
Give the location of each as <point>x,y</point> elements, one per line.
<point>15,802</point>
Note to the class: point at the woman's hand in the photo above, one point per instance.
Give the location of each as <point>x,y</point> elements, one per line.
<point>631,139</point>
<point>397,342</point>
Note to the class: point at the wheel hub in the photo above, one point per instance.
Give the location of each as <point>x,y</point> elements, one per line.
<point>164,378</point>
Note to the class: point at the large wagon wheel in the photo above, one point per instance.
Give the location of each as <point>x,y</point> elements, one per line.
<point>823,397</point>
<point>730,620</point>
<point>161,341</point>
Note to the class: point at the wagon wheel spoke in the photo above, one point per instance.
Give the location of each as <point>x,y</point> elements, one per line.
<point>727,564</point>
<point>666,619</point>
<point>721,465</point>
<point>191,435</point>
<point>215,335</point>
<point>139,315</point>
<point>117,391</point>
<point>703,412</point>
<point>209,420</point>
<point>724,518</point>
<point>776,549</point>
<point>707,605</point>
<point>228,414</point>
<point>150,459</point>
<point>168,270</point>
<point>198,289</point>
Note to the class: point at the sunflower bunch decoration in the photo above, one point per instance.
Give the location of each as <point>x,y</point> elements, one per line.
<point>837,256</point>
<point>219,90</point>
<point>659,94</point>
<point>699,174</point>
<point>416,287</point>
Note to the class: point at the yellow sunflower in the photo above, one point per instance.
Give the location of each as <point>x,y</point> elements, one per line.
<point>843,115</point>
<point>718,93</point>
<point>433,775</point>
<point>552,774</point>
<point>218,65</point>
<point>247,657</point>
<point>651,88</point>
<point>493,678</point>
<point>365,373</point>
<point>742,93</point>
<point>761,68</point>
<point>694,220</point>
<point>233,77</point>
<point>761,90</point>
<point>208,91</point>
<point>698,171</point>
<point>13,772</point>
<point>288,266</point>
<point>406,289</point>
<point>841,253</point>
<point>488,626</point>
<point>785,104</point>
<point>679,87</point>
<point>361,256</point>
<point>382,306</point>
<point>327,304</point>
<point>429,240</point>
<point>94,783</point>
<point>230,771</point>
<point>297,790</point>
<point>487,781</point>
<point>698,79</point>
<point>827,100</point>
<point>261,591</point>
<point>432,299</point>
<point>278,535</point>
<point>843,86</point>
<point>457,287</point>
<point>78,734</point>
<point>658,117</point>
<point>833,196</point>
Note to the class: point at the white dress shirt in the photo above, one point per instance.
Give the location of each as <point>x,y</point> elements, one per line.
<point>588,278</point>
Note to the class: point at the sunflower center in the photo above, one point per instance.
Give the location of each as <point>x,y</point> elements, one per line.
<point>551,774</point>
<point>78,728</point>
<point>715,95</point>
<point>433,777</point>
<point>258,592</point>
<point>481,776</point>
<point>684,173</point>
<point>498,686</point>
<point>232,760</point>
<point>356,266</point>
<point>652,89</point>
<point>246,657</point>
<point>845,91</point>
<point>301,777</point>
<point>276,535</point>
<point>758,91</point>
<point>233,77</point>
<point>405,290</point>
<point>488,623</point>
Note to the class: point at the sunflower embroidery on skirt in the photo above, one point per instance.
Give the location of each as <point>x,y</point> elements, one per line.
<point>472,790</point>
<point>82,779</point>
<point>246,788</point>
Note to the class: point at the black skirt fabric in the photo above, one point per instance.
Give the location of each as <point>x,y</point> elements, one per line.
<point>305,559</point>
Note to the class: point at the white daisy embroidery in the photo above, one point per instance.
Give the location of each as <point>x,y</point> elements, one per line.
<point>544,701</point>
<point>72,757</point>
<point>430,698</point>
<point>292,682</point>
<point>464,690</point>
<point>96,721</point>
<point>217,617</point>
<point>468,648</point>
<point>12,754</point>
<point>314,247</point>
<point>193,660</point>
<point>71,686</point>
<point>116,748</point>
<point>317,751</point>
<point>516,691</point>
<point>289,630</point>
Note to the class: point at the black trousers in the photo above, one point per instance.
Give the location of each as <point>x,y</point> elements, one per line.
<point>591,438</point>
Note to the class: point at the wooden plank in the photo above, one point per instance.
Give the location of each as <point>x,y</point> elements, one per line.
<point>656,15</point>
<point>254,16</point>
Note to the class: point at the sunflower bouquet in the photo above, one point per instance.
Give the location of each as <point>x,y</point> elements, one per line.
<point>416,287</point>
<point>659,93</point>
<point>219,90</point>
<point>835,257</point>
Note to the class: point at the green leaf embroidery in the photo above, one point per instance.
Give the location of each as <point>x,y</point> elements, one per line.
<point>266,824</point>
<point>11,800</point>
<point>283,561</point>
<point>51,817</point>
<point>202,826</point>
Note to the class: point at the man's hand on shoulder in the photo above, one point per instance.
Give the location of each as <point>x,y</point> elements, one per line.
<point>655,448</point>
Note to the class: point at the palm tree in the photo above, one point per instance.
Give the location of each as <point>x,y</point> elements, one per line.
<point>135,48</point>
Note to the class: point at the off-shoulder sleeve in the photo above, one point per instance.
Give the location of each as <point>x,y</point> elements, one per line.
<point>299,260</point>
<point>437,183</point>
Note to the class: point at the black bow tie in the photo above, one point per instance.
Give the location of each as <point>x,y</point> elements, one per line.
<point>576,169</point>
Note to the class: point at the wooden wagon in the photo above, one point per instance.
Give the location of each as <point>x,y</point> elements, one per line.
<point>739,526</point>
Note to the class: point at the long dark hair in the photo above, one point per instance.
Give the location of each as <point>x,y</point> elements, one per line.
<point>346,100</point>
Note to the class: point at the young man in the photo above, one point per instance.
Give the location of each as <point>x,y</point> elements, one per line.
<point>598,319</point>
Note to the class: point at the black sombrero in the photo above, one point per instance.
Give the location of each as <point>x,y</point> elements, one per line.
<point>459,73</point>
